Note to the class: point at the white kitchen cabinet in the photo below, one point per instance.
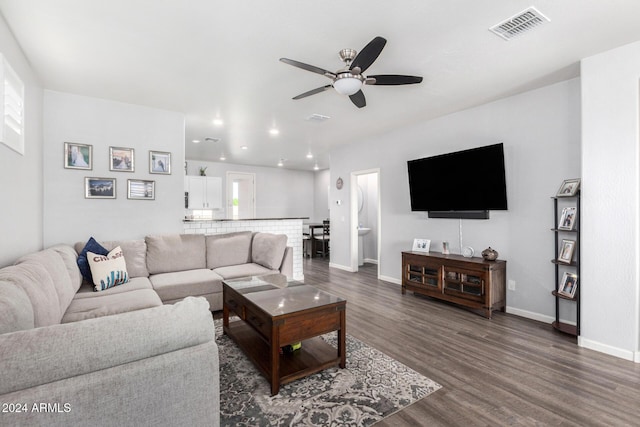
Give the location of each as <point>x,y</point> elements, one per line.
<point>205,192</point>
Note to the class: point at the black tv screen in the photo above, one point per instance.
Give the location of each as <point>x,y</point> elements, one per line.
<point>469,180</point>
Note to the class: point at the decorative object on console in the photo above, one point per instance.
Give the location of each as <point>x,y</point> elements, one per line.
<point>445,248</point>
<point>121,159</point>
<point>468,252</point>
<point>569,188</point>
<point>490,254</point>
<point>108,270</point>
<point>160,162</point>
<point>203,170</point>
<point>421,245</point>
<point>78,156</point>
<point>99,188</point>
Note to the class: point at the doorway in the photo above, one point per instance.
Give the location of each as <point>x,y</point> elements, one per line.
<point>366,230</point>
<point>241,195</point>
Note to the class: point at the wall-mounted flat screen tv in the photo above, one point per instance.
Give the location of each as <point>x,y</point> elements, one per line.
<point>462,184</point>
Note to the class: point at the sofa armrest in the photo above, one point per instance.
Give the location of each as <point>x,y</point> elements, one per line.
<point>286,267</point>
<point>43,355</point>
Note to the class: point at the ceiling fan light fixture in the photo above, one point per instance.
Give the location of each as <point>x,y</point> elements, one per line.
<point>347,84</point>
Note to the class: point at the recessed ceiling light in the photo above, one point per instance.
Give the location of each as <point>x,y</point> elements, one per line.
<point>281,163</point>
<point>218,122</point>
<point>244,147</point>
<point>222,157</point>
<point>309,155</point>
<point>196,141</point>
<point>315,168</point>
<point>274,131</point>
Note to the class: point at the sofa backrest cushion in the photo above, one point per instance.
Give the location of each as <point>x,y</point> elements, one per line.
<point>228,249</point>
<point>135,255</point>
<point>268,249</point>
<point>16,312</point>
<point>175,252</point>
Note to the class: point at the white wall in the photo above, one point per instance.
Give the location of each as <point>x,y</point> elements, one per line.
<point>21,175</point>
<point>321,196</point>
<point>68,216</point>
<point>541,134</point>
<point>280,193</point>
<point>610,285</point>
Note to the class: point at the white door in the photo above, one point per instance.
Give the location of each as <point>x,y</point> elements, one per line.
<point>241,197</point>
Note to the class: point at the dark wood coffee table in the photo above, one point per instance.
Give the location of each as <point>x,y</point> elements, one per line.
<point>273,313</point>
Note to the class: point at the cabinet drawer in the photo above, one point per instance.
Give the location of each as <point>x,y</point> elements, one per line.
<point>259,321</point>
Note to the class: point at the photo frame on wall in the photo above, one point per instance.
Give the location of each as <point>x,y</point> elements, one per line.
<point>121,159</point>
<point>567,219</point>
<point>569,188</point>
<point>567,247</point>
<point>421,245</point>
<point>138,189</point>
<point>99,188</point>
<point>78,156</point>
<point>568,285</point>
<point>160,162</point>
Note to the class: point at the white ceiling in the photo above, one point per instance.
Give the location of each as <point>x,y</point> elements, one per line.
<point>209,58</point>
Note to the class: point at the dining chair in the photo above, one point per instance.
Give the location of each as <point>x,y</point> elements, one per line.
<point>324,238</point>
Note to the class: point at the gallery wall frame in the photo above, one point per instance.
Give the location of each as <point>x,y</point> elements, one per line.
<point>78,156</point>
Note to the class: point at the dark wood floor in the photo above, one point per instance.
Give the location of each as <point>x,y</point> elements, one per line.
<point>504,371</point>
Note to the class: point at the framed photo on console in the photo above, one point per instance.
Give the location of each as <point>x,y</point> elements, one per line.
<point>569,285</point>
<point>421,245</point>
<point>566,251</point>
<point>569,188</point>
<point>567,219</point>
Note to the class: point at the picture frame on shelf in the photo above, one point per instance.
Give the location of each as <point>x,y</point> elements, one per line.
<point>78,156</point>
<point>569,188</point>
<point>567,219</point>
<point>421,245</point>
<point>99,188</point>
<point>121,159</point>
<point>568,285</point>
<point>567,247</point>
<point>160,162</point>
<point>138,189</point>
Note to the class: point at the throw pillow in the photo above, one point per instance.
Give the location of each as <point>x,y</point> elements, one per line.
<point>91,246</point>
<point>108,270</point>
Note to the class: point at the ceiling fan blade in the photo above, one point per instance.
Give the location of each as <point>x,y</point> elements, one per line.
<point>358,99</point>
<point>394,79</point>
<point>313,92</point>
<point>308,67</point>
<point>368,54</point>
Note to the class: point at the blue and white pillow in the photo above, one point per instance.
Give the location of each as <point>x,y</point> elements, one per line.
<point>108,270</point>
<point>91,246</point>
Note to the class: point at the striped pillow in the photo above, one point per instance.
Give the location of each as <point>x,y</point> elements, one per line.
<point>108,270</point>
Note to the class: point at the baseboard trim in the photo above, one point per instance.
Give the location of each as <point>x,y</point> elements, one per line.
<point>341,267</point>
<point>530,315</point>
<point>610,350</point>
<point>371,260</point>
<point>390,279</point>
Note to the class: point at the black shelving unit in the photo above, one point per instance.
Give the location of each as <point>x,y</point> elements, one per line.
<point>561,267</point>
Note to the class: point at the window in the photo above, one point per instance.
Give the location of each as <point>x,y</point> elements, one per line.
<point>12,96</point>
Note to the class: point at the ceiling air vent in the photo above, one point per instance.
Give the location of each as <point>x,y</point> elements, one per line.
<point>520,23</point>
<point>318,118</point>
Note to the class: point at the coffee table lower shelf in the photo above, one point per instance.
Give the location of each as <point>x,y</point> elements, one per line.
<point>314,356</point>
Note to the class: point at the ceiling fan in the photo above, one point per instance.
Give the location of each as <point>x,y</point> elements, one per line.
<point>349,80</point>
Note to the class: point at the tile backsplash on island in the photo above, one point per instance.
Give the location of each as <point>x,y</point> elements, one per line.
<point>292,227</point>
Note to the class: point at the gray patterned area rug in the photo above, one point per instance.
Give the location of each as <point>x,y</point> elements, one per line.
<point>371,387</point>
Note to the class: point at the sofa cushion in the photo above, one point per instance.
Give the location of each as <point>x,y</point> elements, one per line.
<point>175,252</point>
<point>244,270</point>
<point>16,312</point>
<point>228,249</point>
<point>268,249</point>
<point>108,270</point>
<point>180,284</point>
<point>83,263</point>
<point>106,305</point>
<point>135,255</point>
<point>87,290</point>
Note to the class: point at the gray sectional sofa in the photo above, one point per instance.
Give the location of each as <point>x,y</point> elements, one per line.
<point>141,353</point>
